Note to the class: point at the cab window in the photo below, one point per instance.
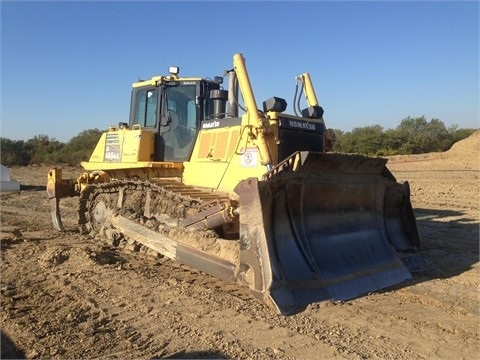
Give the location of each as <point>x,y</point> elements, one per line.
<point>146,107</point>
<point>181,114</point>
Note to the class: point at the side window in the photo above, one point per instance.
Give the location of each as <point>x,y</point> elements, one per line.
<point>146,108</point>
<point>191,115</point>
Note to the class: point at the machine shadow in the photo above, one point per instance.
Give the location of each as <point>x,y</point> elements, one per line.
<point>195,355</point>
<point>9,350</point>
<point>451,244</point>
<point>33,187</point>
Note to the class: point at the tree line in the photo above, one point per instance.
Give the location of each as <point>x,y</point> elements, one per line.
<point>412,136</point>
<point>42,149</point>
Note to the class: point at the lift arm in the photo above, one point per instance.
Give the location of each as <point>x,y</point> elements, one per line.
<point>252,110</point>
<point>309,90</point>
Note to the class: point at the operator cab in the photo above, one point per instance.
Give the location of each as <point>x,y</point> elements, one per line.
<point>173,108</point>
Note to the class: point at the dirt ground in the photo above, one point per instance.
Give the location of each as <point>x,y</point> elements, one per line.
<point>64,295</point>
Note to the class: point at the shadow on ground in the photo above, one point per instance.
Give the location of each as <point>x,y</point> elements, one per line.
<point>9,350</point>
<point>195,355</point>
<point>452,245</point>
<point>33,187</point>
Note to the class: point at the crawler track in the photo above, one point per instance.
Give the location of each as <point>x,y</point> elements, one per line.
<point>159,206</point>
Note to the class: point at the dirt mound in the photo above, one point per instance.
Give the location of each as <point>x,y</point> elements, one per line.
<point>463,155</point>
<point>448,179</point>
<point>466,146</point>
<point>470,143</point>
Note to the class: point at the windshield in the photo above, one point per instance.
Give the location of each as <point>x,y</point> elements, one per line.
<point>179,121</point>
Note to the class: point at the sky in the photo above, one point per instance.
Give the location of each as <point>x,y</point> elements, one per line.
<point>68,66</point>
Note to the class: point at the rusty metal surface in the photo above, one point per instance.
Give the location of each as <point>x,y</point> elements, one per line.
<point>215,215</point>
<point>175,250</point>
<point>55,213</point>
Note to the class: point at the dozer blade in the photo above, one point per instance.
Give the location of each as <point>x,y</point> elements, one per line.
<point>327,226</point>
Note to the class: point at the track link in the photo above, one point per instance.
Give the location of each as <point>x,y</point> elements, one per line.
<point>159,206</point>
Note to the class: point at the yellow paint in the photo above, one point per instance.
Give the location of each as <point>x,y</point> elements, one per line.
<point>158,80</point>
<point>123,146</point>
<point>222,157</point>
<point>310,95</point>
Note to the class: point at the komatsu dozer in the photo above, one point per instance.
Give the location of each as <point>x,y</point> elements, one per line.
<point>258,199</point>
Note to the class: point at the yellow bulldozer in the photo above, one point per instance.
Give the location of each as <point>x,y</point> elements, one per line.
<point>257,199</point>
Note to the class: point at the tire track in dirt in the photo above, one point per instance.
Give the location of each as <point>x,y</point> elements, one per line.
<point>67,296</point>
<point>447,191</point>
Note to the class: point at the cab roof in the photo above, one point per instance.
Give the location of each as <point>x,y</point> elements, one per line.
<point>157,80</point>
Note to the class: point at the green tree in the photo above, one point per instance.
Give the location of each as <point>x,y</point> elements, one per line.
<point>44,150</point>
<point>417,135</point>
<point>339,135</point>
<point>367,141</point>
<point>392,142</point>
<point>459,134</point>
<point>346,144</point>
<point>14,152</point>
<point>409,132</point>
<point>80,147</point>
<point>436,137</point>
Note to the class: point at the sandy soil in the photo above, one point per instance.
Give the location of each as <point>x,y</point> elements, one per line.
<point>64,295</point>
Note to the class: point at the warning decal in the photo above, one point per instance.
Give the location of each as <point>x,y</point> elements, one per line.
<point>112,148</point>
<point>249,158</point>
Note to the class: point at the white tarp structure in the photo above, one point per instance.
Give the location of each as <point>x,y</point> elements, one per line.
<point>6,183</point>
